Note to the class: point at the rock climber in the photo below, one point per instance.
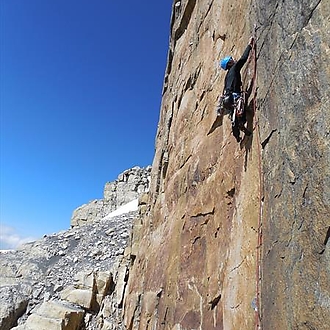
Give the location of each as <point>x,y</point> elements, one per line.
<point>233,84</point>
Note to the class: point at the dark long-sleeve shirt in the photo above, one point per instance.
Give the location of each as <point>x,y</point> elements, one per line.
<point>233,80</point>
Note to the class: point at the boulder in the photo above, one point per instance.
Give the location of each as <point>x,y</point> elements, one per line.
<point>54,315</point>
<point>14,301</point>
<point>89,289</point>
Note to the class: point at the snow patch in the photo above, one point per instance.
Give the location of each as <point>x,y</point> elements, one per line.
<point>6,251</point>
<point>129,207</point>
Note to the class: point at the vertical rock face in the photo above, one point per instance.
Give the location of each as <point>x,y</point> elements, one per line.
<point>294,113</point>
<point>129,186</point>
<point>236,235</point>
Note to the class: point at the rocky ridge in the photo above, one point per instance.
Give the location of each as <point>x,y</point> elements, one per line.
<point>128,186</point>
<point>74,270</point>
<point>74,279</point>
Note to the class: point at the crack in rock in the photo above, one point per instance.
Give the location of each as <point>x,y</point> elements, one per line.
<point>203,214</point>
<point>214,302</point>
<point>265,142</point>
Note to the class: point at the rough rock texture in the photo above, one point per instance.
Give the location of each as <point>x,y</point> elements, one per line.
<point>231,235</point>
<point>294,107</point>
<point>129,186</point>
<point>14,300</point>
<point>54,315</point>
<point>64,280</point>
<point>198,258</point>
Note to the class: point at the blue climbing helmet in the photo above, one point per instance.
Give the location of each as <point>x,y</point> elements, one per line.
<point>224,62</point>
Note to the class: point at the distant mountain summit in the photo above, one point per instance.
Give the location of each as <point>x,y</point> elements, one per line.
<point>127,187</point>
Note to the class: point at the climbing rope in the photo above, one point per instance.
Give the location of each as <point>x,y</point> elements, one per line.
<point>259,229</point>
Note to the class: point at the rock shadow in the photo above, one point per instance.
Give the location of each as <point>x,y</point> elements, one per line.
<point>248,139</point>
<point>217,123</point>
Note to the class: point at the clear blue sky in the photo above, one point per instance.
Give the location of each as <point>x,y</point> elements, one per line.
<point>81,86</point>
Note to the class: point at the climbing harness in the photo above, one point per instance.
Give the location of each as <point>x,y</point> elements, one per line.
<point>238,107</point>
